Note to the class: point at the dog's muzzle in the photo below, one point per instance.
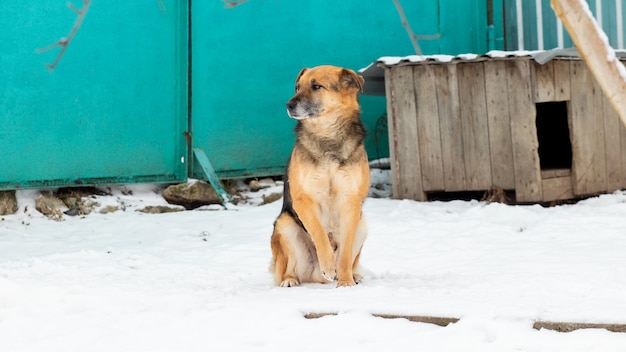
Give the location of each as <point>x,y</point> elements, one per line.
<point>300,109</point>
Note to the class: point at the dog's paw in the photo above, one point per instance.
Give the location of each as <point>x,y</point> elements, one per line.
<point>329,271</point>
<point>345,283</point>
<point>357,278</point>
<point>290,282</point>
<point>329,275</point>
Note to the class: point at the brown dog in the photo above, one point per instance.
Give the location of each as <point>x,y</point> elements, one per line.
<point>320,231</point>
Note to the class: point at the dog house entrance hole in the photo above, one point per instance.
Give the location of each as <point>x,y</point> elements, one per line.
<point>555,147</point>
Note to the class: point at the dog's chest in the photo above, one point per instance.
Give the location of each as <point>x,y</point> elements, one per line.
<point>327,187</point>
<point>331,182</point>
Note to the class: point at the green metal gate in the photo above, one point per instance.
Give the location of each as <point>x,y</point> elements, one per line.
<point>97,92</point>
<point>246,55</point>
<point>92,92</point>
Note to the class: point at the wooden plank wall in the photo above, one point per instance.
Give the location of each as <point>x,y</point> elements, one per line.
<point>598,137</point>
<point>460,131</point>
<point>464,140</point>
<point>615,143</point>
<point>528,187</point>
<point>589,172</point>
<point>403,137</point>
<point>473,102</point>
<point>550,83</point>
<point>500,139</point>
<point>471,125</point>
<point>451,127</point>
<point>596,133</point>
<point>612,137</point>
<point>428,135</point>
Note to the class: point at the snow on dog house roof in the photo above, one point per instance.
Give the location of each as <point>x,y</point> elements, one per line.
<point>374,74</point>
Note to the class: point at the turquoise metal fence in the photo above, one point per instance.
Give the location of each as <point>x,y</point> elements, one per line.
<point>97,92</point>
<point>532,25</point>
<point>92,92</point>
<point>246,55</point>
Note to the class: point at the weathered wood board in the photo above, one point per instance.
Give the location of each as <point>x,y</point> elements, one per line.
<point>407,181</point>
<point>528,186</point>
<point>587,127</point>
<point>472,97</point>
<point>557,188</point>
<point>391,131</point>
<point>562,86</point>
<point>543,82</point>
<point>612,143</point>
<point>451,127</point>
<point>500,140</point>
<point>429,139</point>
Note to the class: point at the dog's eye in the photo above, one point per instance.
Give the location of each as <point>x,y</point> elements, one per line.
<point>316,87</point>
<point>297,87</point>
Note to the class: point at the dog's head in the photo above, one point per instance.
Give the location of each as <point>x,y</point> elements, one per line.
<point>324,90</point>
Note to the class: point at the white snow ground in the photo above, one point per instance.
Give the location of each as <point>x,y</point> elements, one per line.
<point>199,281</point>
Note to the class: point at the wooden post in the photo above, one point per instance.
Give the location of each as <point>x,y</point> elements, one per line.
<point>592,45</point>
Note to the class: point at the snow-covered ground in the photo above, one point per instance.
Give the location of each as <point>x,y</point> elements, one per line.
<point>199,281</point>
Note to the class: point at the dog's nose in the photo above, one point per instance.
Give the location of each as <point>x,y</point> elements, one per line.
<point>291,104</point>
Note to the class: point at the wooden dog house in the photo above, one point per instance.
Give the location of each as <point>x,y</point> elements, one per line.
<point>470,123</point>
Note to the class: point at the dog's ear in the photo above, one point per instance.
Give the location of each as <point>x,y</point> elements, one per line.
<point>295,87</point>
<point>349,79</point>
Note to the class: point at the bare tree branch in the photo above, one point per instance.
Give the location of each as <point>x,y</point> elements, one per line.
<point>64,42</point>
<point>407,26</point>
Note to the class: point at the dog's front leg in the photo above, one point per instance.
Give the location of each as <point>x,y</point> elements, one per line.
<point>346,259</point>
<point>304,207</point>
